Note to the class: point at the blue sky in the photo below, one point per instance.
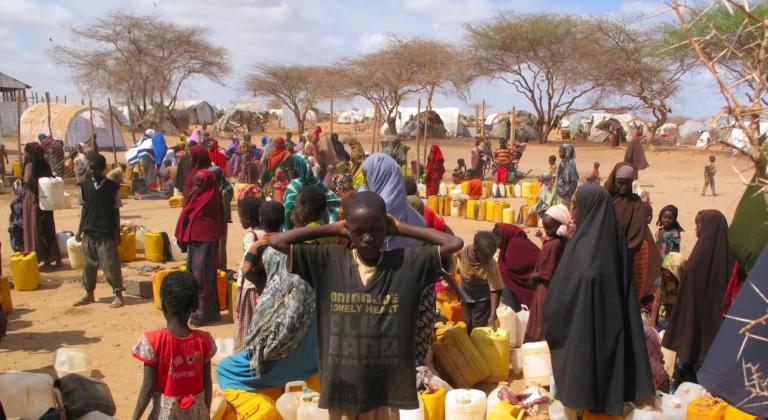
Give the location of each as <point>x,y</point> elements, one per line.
<point>297,31</point>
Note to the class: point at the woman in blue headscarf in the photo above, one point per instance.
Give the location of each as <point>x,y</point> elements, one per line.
<point>297,167</point>
<point>383,176</point>
<point>158,144</point>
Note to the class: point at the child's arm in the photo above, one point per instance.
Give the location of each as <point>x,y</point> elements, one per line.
<point>208,385</point>
<point>495,297</point>
<point>145,393</point>
<point>448,244</point>
<point>117,230</point>
<point>283,241</point>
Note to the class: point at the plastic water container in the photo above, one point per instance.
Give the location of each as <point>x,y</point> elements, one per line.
<point>95,415</point>
<point>26,273</point>
<point>225,347</point>
<point>557,412</point>
<point>537,364</point>
<point>176,201</point>
<point>16,169</point>
<point>672,408</point>
<point>288,403</point>
<point>506,411</point>
<point>516,361</point>
<point>453,311</point>
<point>416,413</point>
<point>733,413</point>
<point>527,189</point>
<point>707,408</point>
<point>434,403</point>
<point>127,248</point>
<point>51,192</point>
<point>465,187</point>
<point>493,397</point>
<point>508,216</point>
<point>432,202</point>
<point>508,320</point>
<point>472,209</point>
<point>28,395</point>
<point>649,413</point>
<point>309,410</point>
<point>518,190</point>
<point>61,238</point>
<point>465,404</point>
<point>443,189</point>
<point>176,253</point>
<point>222,285</point>
<point>422,189</point>
<point>75,252</point>
<point>690,391</point>
<point>125,191</point>
<point>490,208</point>
<point>498,211</point>
<point>522,323</point>
<point>140,232</point>
<point>481,209</point>
<point>68,360</point>
<point>157,280</point>
<point>153,247</point>
<point>83,395</point>
<point>455,208</point>
<point>5,295</point>
<point>494,348</point>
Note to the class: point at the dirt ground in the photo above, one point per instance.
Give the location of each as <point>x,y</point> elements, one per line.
<point>44,320</point>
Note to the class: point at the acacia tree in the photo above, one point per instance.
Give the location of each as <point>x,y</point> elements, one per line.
<point>641,69</point>
<point>554,61</point>
<point>299,88</point>
<point>384,77</point>
<point>142,59</point>
<point>730,41</point>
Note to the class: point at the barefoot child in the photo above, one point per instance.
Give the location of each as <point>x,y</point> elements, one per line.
<point>709,175</point>
<point>99,231</point>
<point>177,359</point>
<point>367,301</point>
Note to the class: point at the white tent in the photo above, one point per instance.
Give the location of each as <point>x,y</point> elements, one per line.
<point>739,140</point>
<point>627,122</point>
<point>351,116</point>
<point>289,120</point>
<point>691,129</point>
<point>200,112</point>
<point>449,116</point>
<point>71,124</point>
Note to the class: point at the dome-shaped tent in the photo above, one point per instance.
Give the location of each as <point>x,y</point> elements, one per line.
<point>71,124</point>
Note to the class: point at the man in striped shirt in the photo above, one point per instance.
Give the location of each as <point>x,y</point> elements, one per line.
<point>502,156</point>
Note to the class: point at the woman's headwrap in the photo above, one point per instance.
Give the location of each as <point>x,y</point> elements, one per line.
<point>560,213</point>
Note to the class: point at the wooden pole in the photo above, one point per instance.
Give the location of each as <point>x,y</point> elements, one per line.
<point>18,132</point>
<point>512,133</point>
<point>112,132</point>
<point>332,116</point>
<point>57,98</point>
<point>375,124</point>
<point>90,110</point>
<point>482,118</point>
<point>418,152</point>
<point>426,132</point>
<point>65,99</point>
<point>48,104</point>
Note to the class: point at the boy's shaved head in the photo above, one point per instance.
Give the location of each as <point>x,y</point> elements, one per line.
<point>369,201</point>
<point>366,215</point>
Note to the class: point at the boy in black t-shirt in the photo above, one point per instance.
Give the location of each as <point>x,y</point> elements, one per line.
<point>367,302</point>
<point>99,231</point>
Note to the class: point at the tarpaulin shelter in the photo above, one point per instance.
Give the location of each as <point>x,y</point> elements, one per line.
<point>71,124</point>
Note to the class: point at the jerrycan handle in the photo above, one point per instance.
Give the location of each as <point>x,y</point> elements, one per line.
<point>300,384</point>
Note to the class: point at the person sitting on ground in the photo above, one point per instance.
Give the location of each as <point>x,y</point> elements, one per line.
<point>480,281</point>
<point>475,190</point>
<point>460,173</point>
<point>166,191</point>
<point>390,284</point>
<point>99,231</point>
<point>177,359</point>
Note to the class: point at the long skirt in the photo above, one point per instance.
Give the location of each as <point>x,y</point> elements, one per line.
<point>39,230</point>
<point>201,262</point>
<point>425,324</point>
<point>433,187</point>
<point>235,372</point>
<point>245,302</point>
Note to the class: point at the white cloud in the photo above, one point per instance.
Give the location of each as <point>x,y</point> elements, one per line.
<point>28,12</point>
<point>369,42</point>
<point>451,11</point>
<point>643,7</point>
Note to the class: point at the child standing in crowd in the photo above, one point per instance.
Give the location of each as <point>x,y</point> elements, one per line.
<point>177,359</point>
<point>279,185</point>
<point>3,161</point>
<point>309,210</point>
<point>378,378</point>
<point>553,165</point>
<point>668,235</point>
<point>16,219</point>
<point>460,172</point>
<point>502,156</point>
<point>709,176</point>
<point>247,295</point>
<point>666,289</point>
<point>480,281</point>
<point>99,231</point>
<point>594,177</point>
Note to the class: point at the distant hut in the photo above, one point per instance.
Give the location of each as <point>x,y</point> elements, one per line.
<point>241,118</point>
<point>72,125</point>
<point>11,88</point>
<point>187,113</point>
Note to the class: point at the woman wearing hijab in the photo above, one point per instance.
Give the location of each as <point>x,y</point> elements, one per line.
<point>592,317</point>
<point>567,178</point>
<point>338,148</point>
<point>517,259</point>
<point>227,193</point>
<point>233,156</point>
<point>39,227</point>
<point>696,315</point>
<point>435,170</point>
<point>82,170</point>
<point>160,147</point>
<point>217,158</point>
<point>635,155</point>
<point>555,221</point>
<point>383,176</point>
<point>279,155</point>
<point>643,253</point>
<point>200,226</point>
<point>198,159</point>
<point>301,175</point>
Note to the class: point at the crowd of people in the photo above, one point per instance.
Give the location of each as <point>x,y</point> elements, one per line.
<point>341,256</point>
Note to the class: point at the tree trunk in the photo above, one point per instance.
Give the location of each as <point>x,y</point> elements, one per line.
<point>392,124</point>
<point>542,130</point>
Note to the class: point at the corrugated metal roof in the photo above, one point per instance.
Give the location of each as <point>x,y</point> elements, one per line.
<point>8,82</point>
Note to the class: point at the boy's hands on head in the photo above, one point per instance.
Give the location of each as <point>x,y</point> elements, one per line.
<point>393,226</point>
<point>340,229</point>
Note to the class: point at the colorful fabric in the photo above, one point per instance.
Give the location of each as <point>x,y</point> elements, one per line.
<point>279,154</point>
<point>283,315</point>
<point>202,219</point>
<point>214,154</point>
<point>502,156</point>
<point>179,360</point>
<point>198,159</point>
<point>39,226</point>
<point>245,303</point>
<point>668,241</point>
<point>435,170</point>
<point>141,150</point>
<point>546,264</point>
<point>159,146</point>
<point>478,279</point>
<point>202,260</point>
<point>517,259</point>
<point>300,165</point>
<point>655,356</point>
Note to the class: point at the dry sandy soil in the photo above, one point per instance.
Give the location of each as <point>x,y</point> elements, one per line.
<point>44,320</point>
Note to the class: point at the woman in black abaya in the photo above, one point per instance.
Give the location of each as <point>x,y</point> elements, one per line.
<point>592,315</point>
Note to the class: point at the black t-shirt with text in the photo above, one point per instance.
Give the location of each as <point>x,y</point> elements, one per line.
<point>366,332</point>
